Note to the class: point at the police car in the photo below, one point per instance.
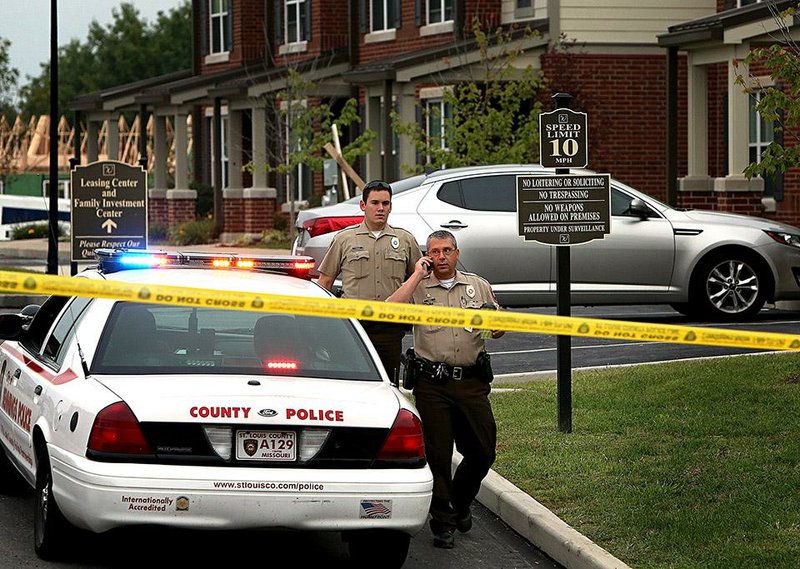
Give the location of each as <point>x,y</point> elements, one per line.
<point>124,413</point>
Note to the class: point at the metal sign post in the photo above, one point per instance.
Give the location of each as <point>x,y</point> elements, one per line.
<point>563,210</point>
<point>109,208</point>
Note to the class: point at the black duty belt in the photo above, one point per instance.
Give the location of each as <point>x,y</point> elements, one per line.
<point>441,372</point>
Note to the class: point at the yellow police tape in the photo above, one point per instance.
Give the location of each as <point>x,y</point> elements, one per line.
<point>35,283</point>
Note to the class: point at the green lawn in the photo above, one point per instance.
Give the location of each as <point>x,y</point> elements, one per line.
<point>675,465</point>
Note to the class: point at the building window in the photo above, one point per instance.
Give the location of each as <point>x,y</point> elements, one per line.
<point>440,11</point>
<point>741,3</point>
<point>762,134</point>
<point>223,145</point>
<point>220,26</point>
<point>523,9</point>
<point>296,24</point>
<point>383,14</point>
<point>437,113</point>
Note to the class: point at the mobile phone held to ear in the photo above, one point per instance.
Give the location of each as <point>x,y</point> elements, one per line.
<point>427,265</point>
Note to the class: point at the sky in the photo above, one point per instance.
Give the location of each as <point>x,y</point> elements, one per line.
<point>27,24</point>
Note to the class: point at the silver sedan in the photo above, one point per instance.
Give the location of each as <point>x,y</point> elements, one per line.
<point>706,264</point>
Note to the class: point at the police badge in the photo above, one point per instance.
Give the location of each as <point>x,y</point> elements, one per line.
<point>250,446</point>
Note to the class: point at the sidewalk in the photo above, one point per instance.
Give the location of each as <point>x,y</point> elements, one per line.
<point>519,510</point>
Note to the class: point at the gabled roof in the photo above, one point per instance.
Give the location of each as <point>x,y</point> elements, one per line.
<point>712,28</point>
<point>387,68</point>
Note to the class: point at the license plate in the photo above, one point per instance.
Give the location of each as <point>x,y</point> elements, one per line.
<point>266,446</point>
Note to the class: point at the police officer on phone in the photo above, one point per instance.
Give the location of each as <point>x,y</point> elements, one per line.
<point>452,374</point>
<point>373,258</point>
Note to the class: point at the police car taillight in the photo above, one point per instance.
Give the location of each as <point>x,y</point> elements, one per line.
<point>116,430</point>
<point>405,440</point>
<point>114,260</point>
<point>279,366</point>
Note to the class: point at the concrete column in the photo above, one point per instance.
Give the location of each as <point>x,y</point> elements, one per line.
<point>374,162</point>
<point>92,133</point>
<point>181,144</point>
<point>407,153</point>
<point>234,149</point>
<point>697,179</point>
<point>738,131</point>
<point>698,120</point>
<point>160,151</point>
<point>259,147</point>
<point>738,118</point>
<point>112,138</point>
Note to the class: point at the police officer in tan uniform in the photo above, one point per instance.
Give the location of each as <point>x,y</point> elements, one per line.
<point>373,258</point>
<point>452,386</point>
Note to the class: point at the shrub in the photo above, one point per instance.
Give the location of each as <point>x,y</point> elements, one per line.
<point>192,232</point>
<point>281,221</point>
<point>158,232</point>
<point>35,231</point>
<point>205,198</point>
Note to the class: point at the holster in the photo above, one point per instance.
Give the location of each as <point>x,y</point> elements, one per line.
<point>484,363</point>
<point>410,368</point>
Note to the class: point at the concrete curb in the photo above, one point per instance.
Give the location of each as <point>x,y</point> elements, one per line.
<point>540,526</point>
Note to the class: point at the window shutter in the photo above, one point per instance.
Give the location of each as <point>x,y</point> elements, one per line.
<point>204,24</point>
<point>307,30</point>
<point>398,14</point>
<point>458,19</point>
<point>420,158</point>
<point>277,16</point>
<point>229,28</point>
<point>362,16</point>
<point>418,13</point>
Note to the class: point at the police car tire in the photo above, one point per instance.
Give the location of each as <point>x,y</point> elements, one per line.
<point>51,530</point>
<point>11,481</point>
<point>391,547</point>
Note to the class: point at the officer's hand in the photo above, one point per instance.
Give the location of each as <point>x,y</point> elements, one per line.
<point>497,333</point>
<point>424,266</point>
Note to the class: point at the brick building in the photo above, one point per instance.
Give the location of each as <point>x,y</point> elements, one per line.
<point>654,77</point>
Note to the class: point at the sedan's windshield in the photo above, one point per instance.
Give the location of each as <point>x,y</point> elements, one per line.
<point>154,339</point>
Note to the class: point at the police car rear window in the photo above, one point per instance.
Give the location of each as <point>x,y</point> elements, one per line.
<point>146,339</point>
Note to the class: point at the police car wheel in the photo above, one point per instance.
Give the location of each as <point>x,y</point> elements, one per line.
<point>50,529</point>
<point>391,547</point>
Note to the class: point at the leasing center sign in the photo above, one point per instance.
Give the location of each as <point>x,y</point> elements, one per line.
<point>565,209</point>
<point>109,208</point>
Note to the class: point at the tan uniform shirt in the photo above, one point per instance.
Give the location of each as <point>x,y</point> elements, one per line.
<point>454,346</point>
<point>371,269</point>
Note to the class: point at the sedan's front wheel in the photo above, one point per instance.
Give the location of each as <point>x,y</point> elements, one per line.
<point>729,286</point>
<point>50,528</point>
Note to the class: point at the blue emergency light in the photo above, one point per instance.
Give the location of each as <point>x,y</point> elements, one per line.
<point>114,260</point>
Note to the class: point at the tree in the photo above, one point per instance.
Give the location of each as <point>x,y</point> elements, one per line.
<point>308,122</point>
<point>778,103</point>
<point>8,80</point>
<point>493,118</point>
<point>128,49</point>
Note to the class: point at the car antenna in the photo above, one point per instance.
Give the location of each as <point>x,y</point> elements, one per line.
<point>80,355</point>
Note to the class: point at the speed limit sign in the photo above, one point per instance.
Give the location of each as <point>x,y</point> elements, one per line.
<point>563,140</point>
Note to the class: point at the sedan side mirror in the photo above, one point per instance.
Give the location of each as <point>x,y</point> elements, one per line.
<point>13,326</point>
<point>638,208</point>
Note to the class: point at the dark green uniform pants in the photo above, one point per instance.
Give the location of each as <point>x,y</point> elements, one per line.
<point>458,410</point>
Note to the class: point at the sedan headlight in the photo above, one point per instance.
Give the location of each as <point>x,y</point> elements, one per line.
<point>785,238</point>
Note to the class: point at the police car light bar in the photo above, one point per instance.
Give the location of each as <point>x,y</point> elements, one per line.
<point>114,260</point>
